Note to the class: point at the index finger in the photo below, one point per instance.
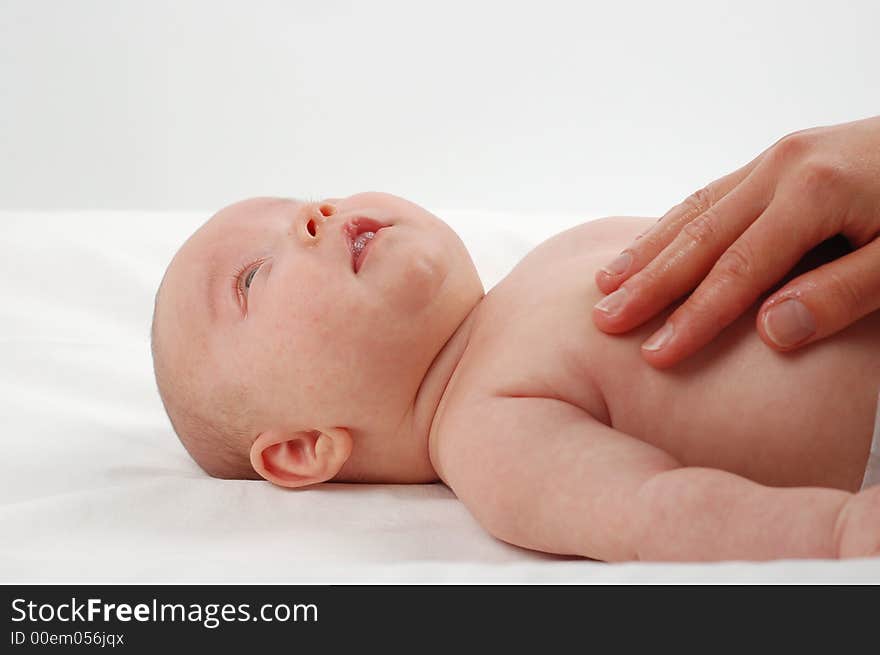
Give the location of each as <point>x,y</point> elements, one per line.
<point>650,244</point>
<point>685,262</point>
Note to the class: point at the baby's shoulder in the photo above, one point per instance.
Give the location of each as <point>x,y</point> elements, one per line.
<point>610,229</point>
<point>532,335</point>
<point>583,246</point>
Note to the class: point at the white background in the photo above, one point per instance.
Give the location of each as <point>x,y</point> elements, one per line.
<point>163,111</point>
<point>594,108</point>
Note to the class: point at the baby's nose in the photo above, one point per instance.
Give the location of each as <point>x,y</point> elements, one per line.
<point>310,220</point>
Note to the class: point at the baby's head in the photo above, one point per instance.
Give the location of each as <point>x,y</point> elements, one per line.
<point>289,344</point>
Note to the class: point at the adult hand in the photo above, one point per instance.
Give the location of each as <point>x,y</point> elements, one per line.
<point>737,237</point>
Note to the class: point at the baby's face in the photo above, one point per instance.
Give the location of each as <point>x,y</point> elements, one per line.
<point>278,296</point>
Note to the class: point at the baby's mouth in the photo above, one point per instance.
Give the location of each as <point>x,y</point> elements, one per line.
<point>359,232</point>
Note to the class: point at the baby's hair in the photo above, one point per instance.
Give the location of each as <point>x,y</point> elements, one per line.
<point>212,430</point>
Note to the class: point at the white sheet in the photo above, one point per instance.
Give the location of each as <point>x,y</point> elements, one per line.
<point>94,487</point>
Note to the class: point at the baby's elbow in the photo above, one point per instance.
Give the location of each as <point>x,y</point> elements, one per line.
<point>505,518</point>
<point>496,514</point>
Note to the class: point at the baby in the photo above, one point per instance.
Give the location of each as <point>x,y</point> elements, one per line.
<point>351,340</point>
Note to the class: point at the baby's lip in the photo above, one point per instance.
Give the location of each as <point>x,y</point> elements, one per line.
<point>356,226</point>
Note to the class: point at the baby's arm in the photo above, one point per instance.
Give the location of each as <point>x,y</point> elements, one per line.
<point>542,474</point>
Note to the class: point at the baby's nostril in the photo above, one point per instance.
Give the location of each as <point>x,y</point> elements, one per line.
<point>327,210</point>
<point>310,226</point>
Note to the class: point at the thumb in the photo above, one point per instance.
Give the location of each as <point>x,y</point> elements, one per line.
<point>823,301</point>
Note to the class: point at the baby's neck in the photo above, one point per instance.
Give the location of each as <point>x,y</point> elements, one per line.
<point>429,398</point>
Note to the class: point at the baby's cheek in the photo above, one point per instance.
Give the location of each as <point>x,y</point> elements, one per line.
<point>304,329</point>
<point>300,302</point>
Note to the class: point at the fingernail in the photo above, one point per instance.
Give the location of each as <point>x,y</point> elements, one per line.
<point>660,338</point>
<point>619,265</point>
<point>612,303</point>
<point>789,323</point>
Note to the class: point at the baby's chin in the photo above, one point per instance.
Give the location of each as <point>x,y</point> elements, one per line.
<point>418,283</point>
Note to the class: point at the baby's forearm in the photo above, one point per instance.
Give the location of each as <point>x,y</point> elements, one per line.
<point>706,514</point>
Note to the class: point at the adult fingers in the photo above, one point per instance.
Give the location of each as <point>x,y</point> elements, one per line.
<point>648,245</point>
<point>684,263</point>
<point>823,301</point>
<point>757,260</point>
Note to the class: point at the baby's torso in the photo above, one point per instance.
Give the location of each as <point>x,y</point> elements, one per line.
<point>796,419</point>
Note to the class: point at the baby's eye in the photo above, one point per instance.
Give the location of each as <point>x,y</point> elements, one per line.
<point>250,277</point>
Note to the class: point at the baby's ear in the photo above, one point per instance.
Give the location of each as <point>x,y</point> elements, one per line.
<point>297,459</point>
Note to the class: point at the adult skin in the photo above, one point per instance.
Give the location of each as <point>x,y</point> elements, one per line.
<point>731,241</point>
